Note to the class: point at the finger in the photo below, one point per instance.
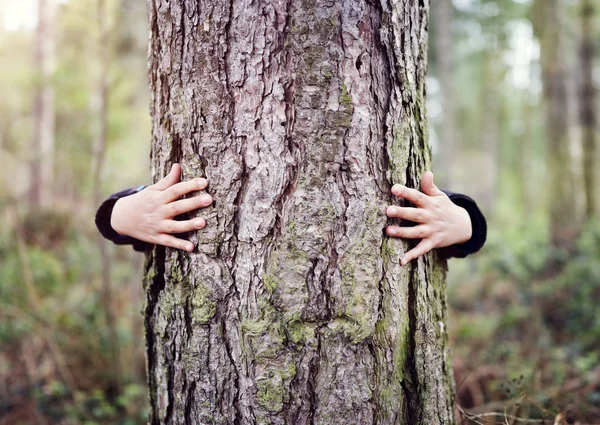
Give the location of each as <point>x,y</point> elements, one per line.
<point>416,232</point>
<point>173,242</point>
<point>186,205</point>
<point>175,226</point>
<point>421,249</point>
<point>427,185</point>
<point>418,215</point>
<point>178,190</point>
<point>413,195</point>
<point>170,179</point>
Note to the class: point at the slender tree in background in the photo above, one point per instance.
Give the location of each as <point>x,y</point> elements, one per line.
<point>42,152</point>
<point>587,105</point>
<point>548,16</point>
<point>442,16</point>
<point>102,98</point>
<point>491,104</point>
<point>294,309</point>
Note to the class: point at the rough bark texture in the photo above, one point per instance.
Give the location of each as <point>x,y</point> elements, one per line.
<point>563,222</point>
<point>294,309</point>
<point>587,106</point>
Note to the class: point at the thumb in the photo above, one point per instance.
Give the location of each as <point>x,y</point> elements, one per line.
<point>170,179</point>
<point>427,185</point>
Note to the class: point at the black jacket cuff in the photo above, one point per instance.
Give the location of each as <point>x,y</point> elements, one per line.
<point>103,216</point>
<point>479,228</point>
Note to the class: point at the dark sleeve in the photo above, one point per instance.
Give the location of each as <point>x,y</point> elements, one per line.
<point>103,220</point>
<point>478,224</point>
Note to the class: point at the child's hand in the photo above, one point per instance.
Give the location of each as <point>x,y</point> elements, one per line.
<point>149,214</point>
<point>440,222</point>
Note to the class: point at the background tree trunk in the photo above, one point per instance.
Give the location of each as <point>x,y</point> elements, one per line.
<point>442,16</point>
<point>104,48</point>
<point>294,309</point>
<point>563,210</point>
<point>587,106</point>
<point>42,162</point>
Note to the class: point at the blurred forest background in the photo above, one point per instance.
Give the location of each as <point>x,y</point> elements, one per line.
<point>512,112</point>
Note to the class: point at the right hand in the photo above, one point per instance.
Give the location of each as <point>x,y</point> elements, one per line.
<point>149,214</point>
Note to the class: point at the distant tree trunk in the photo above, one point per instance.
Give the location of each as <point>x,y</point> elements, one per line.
<point>587,106</point>
<point>42,162</point>
<point>563,207</point>
<point>443,13</point>
<point>99,155</point>
<point>294,309</point>
<point>491,103</point>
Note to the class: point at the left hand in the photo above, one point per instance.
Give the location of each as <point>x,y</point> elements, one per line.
<point>440,222</point>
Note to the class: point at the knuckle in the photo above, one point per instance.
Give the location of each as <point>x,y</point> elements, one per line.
<point>199,202</point>
<point>178,190</point>
<point>176,209</point>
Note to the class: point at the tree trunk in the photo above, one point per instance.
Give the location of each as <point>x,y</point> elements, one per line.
<point>99,156</point>
<point>491,103</point>
<point>294,308</point>
<point>587,106</point>
<point>42,162</point>
<point>563,211</point>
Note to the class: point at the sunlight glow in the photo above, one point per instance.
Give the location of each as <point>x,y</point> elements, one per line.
<point>18,15</point>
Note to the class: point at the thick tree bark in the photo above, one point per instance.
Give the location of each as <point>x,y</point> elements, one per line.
<point>42,162</point>
<point>295,308</point>
<point>563,211</point>
<point>587,106</point>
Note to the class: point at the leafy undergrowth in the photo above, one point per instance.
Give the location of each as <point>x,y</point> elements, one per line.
<point>525,328</point>
<point>525,335</point>
<point>56,353</point>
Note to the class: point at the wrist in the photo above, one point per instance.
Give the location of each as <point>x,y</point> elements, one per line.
<point>116,220</point>
<point>466,228</point>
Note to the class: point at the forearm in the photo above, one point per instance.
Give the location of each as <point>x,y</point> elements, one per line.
<point>478,226</point>
<point>104,217</point>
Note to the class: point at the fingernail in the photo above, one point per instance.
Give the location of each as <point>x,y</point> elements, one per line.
<point>393,210</point>
<point>206,198</point>
<point>199,222</point>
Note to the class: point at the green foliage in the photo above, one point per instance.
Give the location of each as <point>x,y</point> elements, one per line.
<point>93,407</point>
<point>529,304</point>
<point>52,305</point>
